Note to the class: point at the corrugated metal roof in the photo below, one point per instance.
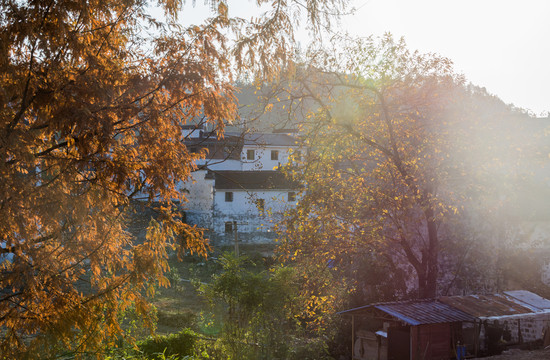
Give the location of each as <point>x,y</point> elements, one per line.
<point>531,300</point>
<point>417,312</point>
<point>461,308</point>
<point>424,312</point>
<point>482,306</point>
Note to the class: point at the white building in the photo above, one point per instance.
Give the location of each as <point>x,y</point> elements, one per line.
<point>254,201</point>
<point>238,186</point>
<point>262,152</point>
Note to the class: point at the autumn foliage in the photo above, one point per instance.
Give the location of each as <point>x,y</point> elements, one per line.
<point>378,170</point>
<point>91,116</point>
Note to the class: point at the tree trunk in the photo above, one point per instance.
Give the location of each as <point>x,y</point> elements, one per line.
<point>422,282</point>
<point>430,290</point>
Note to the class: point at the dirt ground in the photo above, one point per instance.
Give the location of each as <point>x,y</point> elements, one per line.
<point>515,354</point>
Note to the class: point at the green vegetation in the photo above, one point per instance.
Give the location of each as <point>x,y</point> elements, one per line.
<point>228,308</point>
<point>256,308</point>
<point>179,344</point>
<point>185,344</point>
<point>405,170</point>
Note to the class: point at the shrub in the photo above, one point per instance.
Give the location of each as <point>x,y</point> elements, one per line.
<point>181,319</point>
<point>179,344</point>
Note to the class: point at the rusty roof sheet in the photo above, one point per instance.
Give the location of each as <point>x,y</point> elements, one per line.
<point>482,306</point>
<point>417,312</point>
<point>460,308</point>
<point>424,312</point>
<point>531,300</point>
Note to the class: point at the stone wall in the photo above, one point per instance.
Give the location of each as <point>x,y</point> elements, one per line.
<point>530,326</point>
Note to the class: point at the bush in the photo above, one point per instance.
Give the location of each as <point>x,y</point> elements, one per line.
<point>181,319</point>
<point>179,344</point>
<point>309,349</point>
<point>259,310</point>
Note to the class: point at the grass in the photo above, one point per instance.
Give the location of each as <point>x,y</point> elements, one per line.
<point>180,306</point>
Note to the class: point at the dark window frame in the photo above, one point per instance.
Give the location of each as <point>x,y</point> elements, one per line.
<point>274,154</point>
<point>291,196</point>
<point>260,204</point>
<point>229,196</point>
<point>229,226</point>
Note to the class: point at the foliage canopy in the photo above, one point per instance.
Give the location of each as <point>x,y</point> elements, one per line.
<point>383,169</point>
<point>91,116</point>
<point>265,313</point>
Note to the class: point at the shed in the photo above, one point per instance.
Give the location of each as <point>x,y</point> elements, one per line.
<point>431,329</point>
<point>421,329</point>
<point>512,317</point>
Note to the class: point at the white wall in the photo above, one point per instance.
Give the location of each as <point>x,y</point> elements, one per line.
<point>198,191</point>
<point>200,197</point>
<point>262,159</point>
<point>243,208</point>
<point>207,207</point>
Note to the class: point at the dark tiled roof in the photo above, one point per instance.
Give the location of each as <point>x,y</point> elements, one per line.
<point>252,180</point>
<point>230,146</point>
<point>270,139</point>
<point>417,312</point>
<point>253,138</point>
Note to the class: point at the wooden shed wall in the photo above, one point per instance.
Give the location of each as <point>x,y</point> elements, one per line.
<point>431,342</point>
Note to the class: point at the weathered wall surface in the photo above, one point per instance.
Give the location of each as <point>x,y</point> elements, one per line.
<point>252,153</point>
<point>262,159</point>
<point>259,236</point>
<point>245,203</point>
<point>253,224</point>
<point>530,327</point>
<point>199,191</point>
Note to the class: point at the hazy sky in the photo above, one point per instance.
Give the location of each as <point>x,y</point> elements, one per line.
<point>502,45</point>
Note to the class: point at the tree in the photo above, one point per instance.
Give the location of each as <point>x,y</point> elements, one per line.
<point>263,312</point>
<point>380,172</point>
<point>91,116</point>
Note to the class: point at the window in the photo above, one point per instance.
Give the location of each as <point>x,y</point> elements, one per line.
<point>228,196</point>
<point>274,154</point>
<point>229,226</point>
<point>297,155</point>
<point>260,204</point>
<point>250,155</point>
<point>291,196</point>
